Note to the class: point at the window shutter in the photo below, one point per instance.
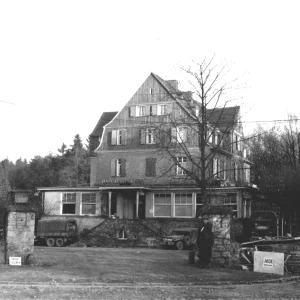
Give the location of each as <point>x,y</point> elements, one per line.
<point>132,111</point>
<point>177,166</point>
<point>123,167</point>
<point>109,138</point>
<point>124,136</point>
<point>114,137</point>
<point>147,110</point>
<point>143,136</point>
<point>215,167</point>
<point>236,169</point>
<point>153,166</point>
<point>150,167</point>
<point>154,136</point>
<point>169,108</point>
<point>154,110</point>
<point>174,135</point>
<point>184,134</point>
<point>113,166</point>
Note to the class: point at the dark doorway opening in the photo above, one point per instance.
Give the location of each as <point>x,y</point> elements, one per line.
<point>113,208</point>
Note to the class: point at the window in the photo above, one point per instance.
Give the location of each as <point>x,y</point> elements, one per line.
<point>216,167</point>
<point>68,203</point>
<point>247,173</point>
<point>162,205</point>
<point>161,109</point>
<point>179,135</point>
<point>140,111</point>
<point>118,137</point>
<point>122,235</point>
<point>150,136</point>
<point>216,138</point>
<point>183,205</point>
<point>231,200</point>
<point>209,136</point>
<point>150,167</point>
<point>237,142</point>
<point>118,167</point>
<point>199,204</point>
<point>181,163</point>
<point>222,170</point>
<point>151,91</point>
<point>88,204</point>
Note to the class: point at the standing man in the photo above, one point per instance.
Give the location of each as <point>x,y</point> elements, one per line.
<point>205,241</point>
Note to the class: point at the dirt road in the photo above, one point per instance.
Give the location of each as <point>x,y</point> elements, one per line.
<point>121,273</point>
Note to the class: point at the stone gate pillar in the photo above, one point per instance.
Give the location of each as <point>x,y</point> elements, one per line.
<point>19,229</point>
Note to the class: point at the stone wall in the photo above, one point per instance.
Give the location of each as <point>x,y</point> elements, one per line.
<point>147,233</point>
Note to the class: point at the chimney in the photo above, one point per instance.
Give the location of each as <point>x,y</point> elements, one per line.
<point>173,84</point>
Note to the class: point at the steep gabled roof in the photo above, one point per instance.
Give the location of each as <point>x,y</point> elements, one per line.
<point>105,118</point>
<point>224,118</point>
<point>165,84</point>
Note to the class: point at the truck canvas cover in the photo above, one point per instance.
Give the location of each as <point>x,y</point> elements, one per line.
<point>50,226</point>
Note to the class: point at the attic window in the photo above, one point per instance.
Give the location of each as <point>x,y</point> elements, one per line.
<point>150,91</point>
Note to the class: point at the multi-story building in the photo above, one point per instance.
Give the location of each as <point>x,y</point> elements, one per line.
<point>147,162</point>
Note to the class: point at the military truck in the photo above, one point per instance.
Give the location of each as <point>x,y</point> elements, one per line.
<point>56,232</point>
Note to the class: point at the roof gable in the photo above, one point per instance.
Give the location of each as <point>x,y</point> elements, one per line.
<point>105,118</point>
<point>225,118</point>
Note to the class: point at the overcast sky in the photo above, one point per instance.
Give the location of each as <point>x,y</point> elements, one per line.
<point>63,63</point>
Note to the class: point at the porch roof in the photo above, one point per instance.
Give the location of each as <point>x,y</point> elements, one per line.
<point>123,188</point>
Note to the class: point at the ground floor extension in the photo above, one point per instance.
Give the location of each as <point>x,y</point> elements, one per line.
<point>141,202</point>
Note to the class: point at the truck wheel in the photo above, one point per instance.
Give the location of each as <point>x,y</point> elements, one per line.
<point>179,245</point>
<point>50,242</point>
<point>187,239</point>
<point>59,242</point>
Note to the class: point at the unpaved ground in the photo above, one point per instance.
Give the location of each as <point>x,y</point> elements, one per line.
<point>119,265</point>
<point>122,273</point>
<point>288,290</point>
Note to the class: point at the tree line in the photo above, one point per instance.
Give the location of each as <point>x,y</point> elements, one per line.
<point>275,155</point>
<point>69,167</point>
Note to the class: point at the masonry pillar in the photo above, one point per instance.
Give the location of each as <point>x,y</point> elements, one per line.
<point>19,230</point>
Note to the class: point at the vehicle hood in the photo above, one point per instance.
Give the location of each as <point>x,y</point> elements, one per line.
<point>174,237</point>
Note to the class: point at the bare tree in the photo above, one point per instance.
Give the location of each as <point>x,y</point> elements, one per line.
<point>198,135</point>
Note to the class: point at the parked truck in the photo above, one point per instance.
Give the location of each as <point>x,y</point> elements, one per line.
<point>57,232</point>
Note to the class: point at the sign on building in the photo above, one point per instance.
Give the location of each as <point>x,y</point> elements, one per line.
<point>21,198</point>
